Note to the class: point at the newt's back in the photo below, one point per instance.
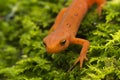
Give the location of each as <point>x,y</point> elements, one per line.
<point>75,13</point>
<point>73,16</point>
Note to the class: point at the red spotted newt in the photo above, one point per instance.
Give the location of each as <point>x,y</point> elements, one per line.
<point>64,30</point>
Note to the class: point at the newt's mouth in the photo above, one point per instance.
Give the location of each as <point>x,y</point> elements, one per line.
<point>52,51</point>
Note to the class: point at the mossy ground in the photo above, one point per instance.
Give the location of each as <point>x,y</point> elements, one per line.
<point>24,24</point>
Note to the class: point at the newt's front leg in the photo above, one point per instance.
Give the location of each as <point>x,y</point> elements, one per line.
<point>85,44</point>
<point>100,4</point>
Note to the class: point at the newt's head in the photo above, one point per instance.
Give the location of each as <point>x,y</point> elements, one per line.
<point>56,41</point>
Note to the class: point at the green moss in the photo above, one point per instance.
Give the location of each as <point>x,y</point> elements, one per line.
<point>24,24</point>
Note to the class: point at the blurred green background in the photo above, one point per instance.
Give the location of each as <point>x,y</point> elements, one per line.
<point>24,24</point>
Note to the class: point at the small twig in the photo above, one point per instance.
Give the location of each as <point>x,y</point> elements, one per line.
<point>12,13</point>
<point>70,69</point>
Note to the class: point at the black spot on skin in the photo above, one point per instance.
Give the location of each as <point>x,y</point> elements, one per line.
<point>68,25</point>
<point>76,14</point>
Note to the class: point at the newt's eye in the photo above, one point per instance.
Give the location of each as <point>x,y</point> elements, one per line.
<point>63,42</point>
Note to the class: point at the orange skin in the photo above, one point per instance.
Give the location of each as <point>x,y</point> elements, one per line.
<point>66,25</point>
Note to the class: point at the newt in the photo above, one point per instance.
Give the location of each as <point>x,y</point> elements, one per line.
<point>64,30</point>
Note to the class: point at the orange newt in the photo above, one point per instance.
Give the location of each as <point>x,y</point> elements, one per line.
<point>66,25</point>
